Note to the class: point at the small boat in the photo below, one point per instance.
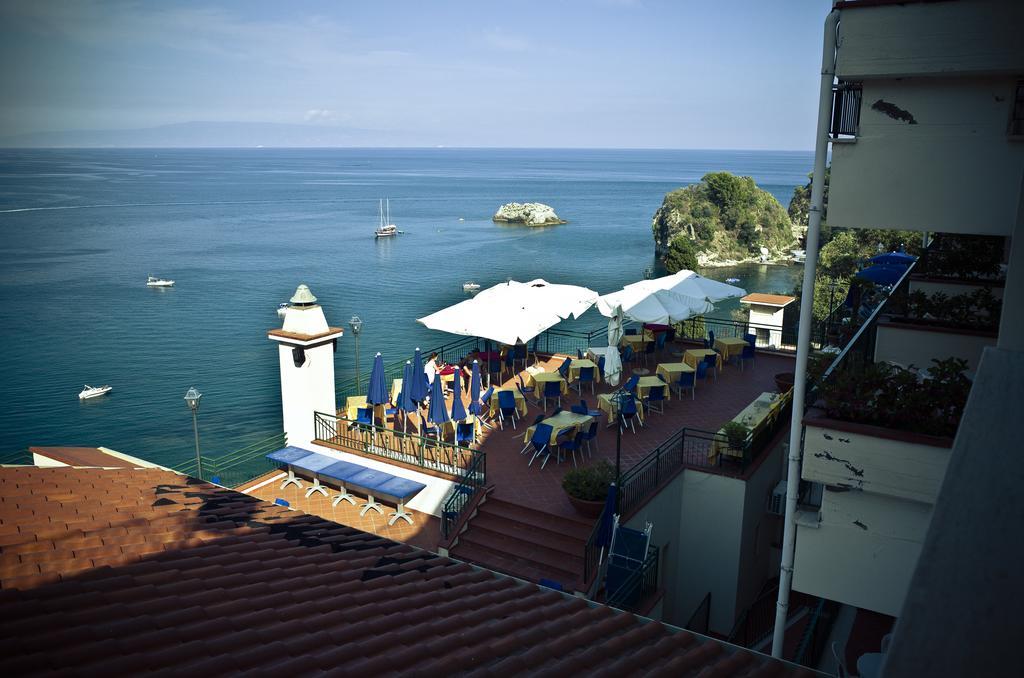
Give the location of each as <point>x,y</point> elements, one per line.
<point>93,391</point>
<point>799,255</point>
<point>470,286</point>
<point>153,281</point>
<point>282,308</point>
<point>732,281</point>
<point>385,229</point>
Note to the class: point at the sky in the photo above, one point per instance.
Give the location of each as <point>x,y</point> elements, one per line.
<point>572,73</point>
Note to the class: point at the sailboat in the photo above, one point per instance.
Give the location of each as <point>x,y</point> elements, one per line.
<point>385,229</point>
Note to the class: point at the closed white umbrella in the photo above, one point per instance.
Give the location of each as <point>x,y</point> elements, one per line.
<point>648,304</point>
<point>612,363</point>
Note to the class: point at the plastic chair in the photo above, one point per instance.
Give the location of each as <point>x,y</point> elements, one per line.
<point>586,375</point>
<point>701,371</point>
<point>579,354</point>
<point>494,367</point>
<point>570,445</point>
<point>748,354</point>
<point>627,356</point>
<point>659,341</point>
<point>541,441</point>
<point>600,364</point>
<point>485,400</point>
<point>364,417</point>
<point>538,419</point>
<point>687,380</point>
<point>507,408</point>
<point>579,409</point>
<point>520,352</point>
<point>510,363</point>
<point>525,391</point>
<point>590,412</point>
<point>648,351</point>
<point>465,432</point>
<point>628,412</point>
<point>750,339</point>
<point>711,339</point>
<point>712,364</point>
<point>655,394</point>
<point>552,389</point>
<point>563,369</point>
<point>591,434</point>
<point>630,384</point>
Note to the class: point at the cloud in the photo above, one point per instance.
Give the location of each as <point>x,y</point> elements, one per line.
<point>319,115</point>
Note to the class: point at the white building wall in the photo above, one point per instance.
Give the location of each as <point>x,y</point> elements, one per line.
<point>918,346</point>
<point>953,171</point>
<point>758,561</point>
<point>305,390</point>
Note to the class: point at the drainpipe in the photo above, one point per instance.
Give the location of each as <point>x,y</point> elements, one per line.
<point>828,71</point>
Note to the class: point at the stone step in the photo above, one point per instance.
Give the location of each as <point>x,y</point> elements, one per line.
<point>552,540</point>
<point>526,549</point>
<point>506,563</point>
<point>570,527</point>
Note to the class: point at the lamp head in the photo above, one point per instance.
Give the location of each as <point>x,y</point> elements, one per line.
<point>356,324</point>
<point>192,397</point>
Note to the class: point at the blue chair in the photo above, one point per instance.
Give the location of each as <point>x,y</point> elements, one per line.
<point>510,362</point>
<point>579,409</point>
<point>579,354</point>
<point>630,331</point>
<point>563,369</point>
<point>648,351</point>
<point>655,394</point>
<point>494,368</point>
<point>523,388</point>
<point>364,417</point>
<point>659,341</point>
<point>701,371</point>
<point>465,433</point>
<point>541,442</point>
<point>630,384</point>
<point>591,434</point>
<point>627,356</point>
<point>485,402</point>
<point>600,364</point>
<point>749,352</point>
<point>570,445</point>
<point>711,339</point>
<point>538,419</point>
<point>507,408</point>
<point>687,380</point>
<point>586,375</point>
<point>628,413</point>
<point>552,389</point>
<point>520,352</point>
<point>750,339</point>
<point>712,364</point>
<point>589,412</point>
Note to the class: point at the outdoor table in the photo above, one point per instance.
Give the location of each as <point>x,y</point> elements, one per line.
<point>520,402</point>
<point>607,403</point>
<point>578,363</point>
<point>595,353</point>
<point>638,342</point>
<point>753,416</point>
<point>353,403</point>
<point>730,346</point>
<point>560,421</point>
<point>695,355</point>
<point>396,389</point>
<point>644,384</point>
<point>671,371</point>
<point>539,378</point>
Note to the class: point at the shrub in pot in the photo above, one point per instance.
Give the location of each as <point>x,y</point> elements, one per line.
<point>587,487</point>
<point>737,434</point>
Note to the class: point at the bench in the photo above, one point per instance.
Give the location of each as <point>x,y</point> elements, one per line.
<point>371,482</point>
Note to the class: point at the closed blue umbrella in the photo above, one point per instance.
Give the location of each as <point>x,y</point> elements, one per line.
<point>458,409</point>
<point>604,532</point>
<point>419,378</point>
<point>437,413</point>
<point>474,390</point>
<point>405,402</point>
<point>377,393</point>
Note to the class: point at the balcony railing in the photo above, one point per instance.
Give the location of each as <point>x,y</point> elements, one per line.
<point>470,483</point>
<point>408,448</point>
<point>640,584</point>
<point>237,468</point>
<point>700,620</point>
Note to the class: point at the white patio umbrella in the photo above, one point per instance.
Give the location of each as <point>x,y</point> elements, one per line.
<point>512,311</point>
<point>612,362</point>
<point>695,285</point>
<point>648,304</point>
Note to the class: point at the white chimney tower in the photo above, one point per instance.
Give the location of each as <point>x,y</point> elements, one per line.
<point>306,346</point>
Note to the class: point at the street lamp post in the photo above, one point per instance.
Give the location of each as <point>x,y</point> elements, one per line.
<point>356,324</point>
<point>192,397</point>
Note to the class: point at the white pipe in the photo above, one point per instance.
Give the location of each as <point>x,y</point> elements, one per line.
<point>803,342</point>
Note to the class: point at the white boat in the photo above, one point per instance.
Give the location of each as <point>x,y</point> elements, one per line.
<point>153,281</point>
<point>385,229</point>
<point>93,391</point>
<point>470,287</point>
<point>732,281</point>
<point>798,255</point>
<point>282,308</point>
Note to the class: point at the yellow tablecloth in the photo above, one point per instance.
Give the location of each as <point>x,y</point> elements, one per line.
<point>538,379</point>
<point>695,355</point>
<point>671,371</point>
<point>560,421</point>
<point>644,384</point>
<point>396,388</point>
<point>607,404</point>
<point>730,346</point>
<point>638,342</point>
<point>353,403</point>
<point>579,363</point>
<point>759,413</point>
<point>520,402</point>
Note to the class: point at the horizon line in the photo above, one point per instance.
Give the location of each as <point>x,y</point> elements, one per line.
<point>398,148</point>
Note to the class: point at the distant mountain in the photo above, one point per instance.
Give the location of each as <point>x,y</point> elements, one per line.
<point>209,134</point>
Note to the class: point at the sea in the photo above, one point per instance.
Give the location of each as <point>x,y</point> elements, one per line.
<point>238,230</point>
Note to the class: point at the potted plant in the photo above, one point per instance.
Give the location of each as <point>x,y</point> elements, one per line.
<point>737,434</point>
<point>587,487</point>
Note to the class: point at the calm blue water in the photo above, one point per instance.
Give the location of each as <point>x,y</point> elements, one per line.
<point>239,229</point>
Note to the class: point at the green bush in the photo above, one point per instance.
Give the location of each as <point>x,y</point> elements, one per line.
<point>589,483</point>
<point>736,433</point>
<point>681,255</point>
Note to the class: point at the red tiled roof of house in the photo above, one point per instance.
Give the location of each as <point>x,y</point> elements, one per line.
<point>125,571</point>
<point>80,456</point>
<point>768,299</point>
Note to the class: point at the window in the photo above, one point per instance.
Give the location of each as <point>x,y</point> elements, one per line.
<point>845,110</point>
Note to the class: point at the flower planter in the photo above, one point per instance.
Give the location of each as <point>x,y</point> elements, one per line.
<point>587,509</point>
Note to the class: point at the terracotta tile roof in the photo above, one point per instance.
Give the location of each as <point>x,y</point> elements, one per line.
<point>768,299</point>
<point>80,456</point>
<point>125,571</point>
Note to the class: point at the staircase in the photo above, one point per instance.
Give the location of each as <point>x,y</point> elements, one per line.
<point>525,543</point>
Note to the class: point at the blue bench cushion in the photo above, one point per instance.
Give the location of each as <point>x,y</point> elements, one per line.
<point>341,470</point>
<point>399,489</point>
<point>315,462</point>
<point>289,455</point>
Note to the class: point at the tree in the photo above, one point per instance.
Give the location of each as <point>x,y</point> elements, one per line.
<point>681,255</point>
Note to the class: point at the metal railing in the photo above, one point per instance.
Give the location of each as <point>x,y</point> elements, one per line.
<point>700,620</point>
<point>409,448</point>
<point>592,552</point>
<point>236,468</point>
<point>757,622</point>
<point>846,99</point>
<point>816,635</point>
<point>470,483</point>
<point>639,584</point>
<point>450,352</point>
